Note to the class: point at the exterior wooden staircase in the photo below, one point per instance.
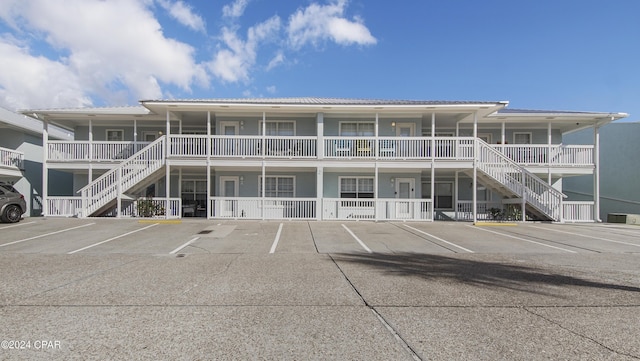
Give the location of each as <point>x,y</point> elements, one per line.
<point>506,177</point>
<point>102,194</point>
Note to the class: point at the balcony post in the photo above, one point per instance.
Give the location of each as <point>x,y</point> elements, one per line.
<point>90,170</point>
<point>319,191</point>
<point>208,145</point>
<point>320,135</point>
<point>549,153</point>
<point>596,173</point>
<point>432,150</point>
<point>475,167</point>
<point>264,142</point>
<point>45,167</point>
<point>263,186</point>
<point>119,193</point>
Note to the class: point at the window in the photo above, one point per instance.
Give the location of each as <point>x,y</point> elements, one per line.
<point>278,187</point>
<point>280,128</point>
<point>194,192</point>
<point>356,187</point>
<point>357,129</point>
<point>486,137</point>
<point>150,136</point>
<point>115,135</point>
<point>443,194</point>
<point>521,138</point>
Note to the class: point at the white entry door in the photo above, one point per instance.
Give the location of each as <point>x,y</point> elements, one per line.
<point>405,189</point>
<point>229,189</point>
<point>405,129</point>
<point>229,128</point>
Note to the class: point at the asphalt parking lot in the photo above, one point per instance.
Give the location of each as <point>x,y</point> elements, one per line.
<point>207,289</point>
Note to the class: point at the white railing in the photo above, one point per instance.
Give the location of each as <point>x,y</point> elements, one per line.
<point>188,145</point>
<point>267,147</point>
<point>131,171</point>
<point>370,147</point>
<point>67,151</point>
<point>484,210</point>
<point>263,208</point>
<point>458,148</point>
<point>377,209</point>
<point>64,206</point>
<point>574,211</point>
<point>542,154</point>
<point>151,208</point>
<point>454,148</point>
<point>518,180</point>
<point>11,158</point>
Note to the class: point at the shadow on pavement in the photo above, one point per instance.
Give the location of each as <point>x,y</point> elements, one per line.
<point>473,272</point>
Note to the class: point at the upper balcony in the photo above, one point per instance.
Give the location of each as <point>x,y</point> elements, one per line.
<point>328,147</point>
<point>11,162</point>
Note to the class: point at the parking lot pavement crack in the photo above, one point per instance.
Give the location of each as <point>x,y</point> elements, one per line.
<point>81,279</point>
<point>312,237</point>
<point>405,345</point>
<point>581,335</point>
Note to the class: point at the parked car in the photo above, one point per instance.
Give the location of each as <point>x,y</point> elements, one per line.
<point>12,204</point>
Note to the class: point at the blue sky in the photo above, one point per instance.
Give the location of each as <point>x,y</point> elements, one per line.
<point>544,54</point>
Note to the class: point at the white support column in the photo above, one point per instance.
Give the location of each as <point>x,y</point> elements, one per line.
<point>549,140</point>
<point>264,142</point>
<point>264,181</point>
<point>319,192</point>
<point>167,168</point>
<point>45,167</point>
<point>475,168</point>
<point>432,150</point>
<point>167,188</point>
<point>503,139</point>
<point>376,135</point>
<point>119,193</point>
<point>524,197</point>
<point>208,145</point>
<point>135,135</point>
<point>596,173</point>
<point>90,170</point>
<point>456,183</point>
<point>320,135</point>
<point>375,192</point>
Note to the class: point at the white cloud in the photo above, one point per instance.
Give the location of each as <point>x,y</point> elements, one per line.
<point>317,23</point>
<point>272,89</point>
<point>235,9</point>
<point>107,47</point>
<point>233,64</point>
<point>184,14</point>
<point>276,61</point>
<point>36,80</point>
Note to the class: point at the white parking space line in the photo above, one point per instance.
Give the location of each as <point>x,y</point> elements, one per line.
<point>184,245</point>
<point>523,239</point>
<point>17,225</point>
<point>358,239</point>
<point>276,240</point>
<point>46,234</point>
<point>112,238</point>
<point>584,235</point>
<point>439,239</point>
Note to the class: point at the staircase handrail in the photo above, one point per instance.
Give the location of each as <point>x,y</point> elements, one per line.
<point>528,182</point>
<point>101,190</point>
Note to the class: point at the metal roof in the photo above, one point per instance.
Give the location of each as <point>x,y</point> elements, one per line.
<point>321,101</point>
<point>545,112</point>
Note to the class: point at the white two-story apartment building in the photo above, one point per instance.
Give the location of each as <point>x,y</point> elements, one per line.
<point>21,155</point>
<point>321,159</point>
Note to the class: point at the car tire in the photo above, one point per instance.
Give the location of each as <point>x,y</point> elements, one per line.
<point>12,214</point>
